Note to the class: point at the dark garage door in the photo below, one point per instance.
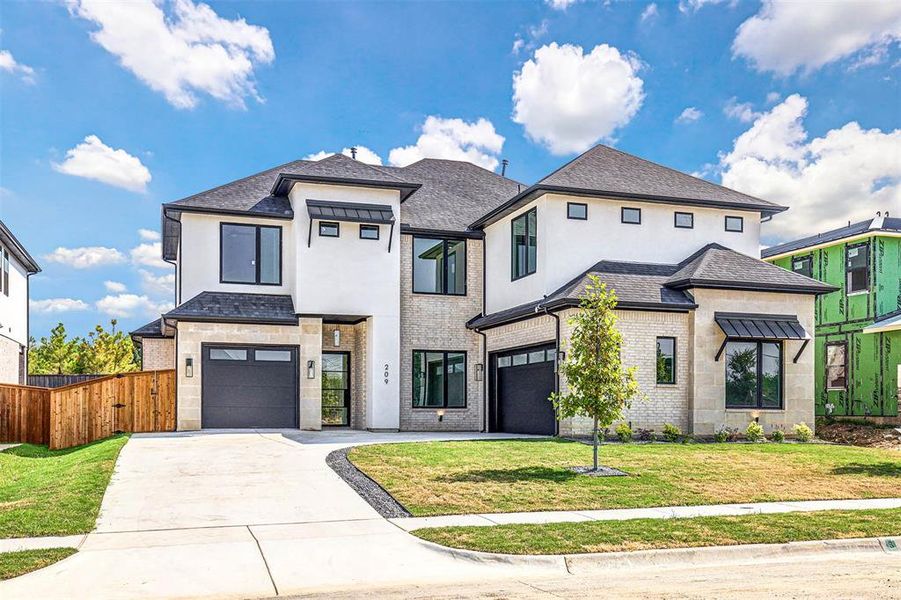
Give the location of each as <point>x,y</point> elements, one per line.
<point>249,386</point>
<point>524,379</point>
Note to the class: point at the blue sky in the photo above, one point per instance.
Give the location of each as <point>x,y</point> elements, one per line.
<point>105,116</point>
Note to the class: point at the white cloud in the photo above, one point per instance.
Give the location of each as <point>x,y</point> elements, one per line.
<point>127,305</point>
<point>86,257</point>
<point>114,286</point>
<point>849,173</point>
<point>560,4</point>
<point>773,97</point>
<point>696,5</point>
<point>9,64</point>
<point>189,51</point>
<point>788,36</point>
<point>476,142</point>
<point>57,305</point>
<point>689,115</point>
<point>568,100</point>
<point>364,155</point>
<point>742,111</point>
<point>157,285</point>
<point>149,255</point>
<point>528,41</point>
<point>150,235</point>
<point>92,159</point>
<point>649,12</point>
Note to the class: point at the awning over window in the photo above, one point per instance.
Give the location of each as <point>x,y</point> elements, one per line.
<point>761,327</point>
<point>353,212</point>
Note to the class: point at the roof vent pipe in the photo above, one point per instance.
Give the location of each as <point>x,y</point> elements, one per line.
<point>504,164</point>
<point>353,152</point>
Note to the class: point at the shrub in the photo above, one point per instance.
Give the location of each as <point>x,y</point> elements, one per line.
<point>624,432</point>
<point>721,435</point>
<point>671,433</point>
<point>754,432</point>
<point>778,436</point>
<point>803,432</point>
<point>645,435</point>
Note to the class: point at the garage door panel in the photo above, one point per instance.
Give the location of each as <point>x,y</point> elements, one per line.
<point>525,380</point>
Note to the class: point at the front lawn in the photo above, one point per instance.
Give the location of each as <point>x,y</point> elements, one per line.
<point>13,564</point>
<point>646,534</point>
<point>438,478</point>
<point>54,492</point>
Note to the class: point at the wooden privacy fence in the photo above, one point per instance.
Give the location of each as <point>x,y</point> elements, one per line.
<point>90,410</point>
<point>55,381</point>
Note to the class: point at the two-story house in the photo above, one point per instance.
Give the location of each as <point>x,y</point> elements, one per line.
<point>16,266</point>
<point>436,296</point>
<point>858,326</point>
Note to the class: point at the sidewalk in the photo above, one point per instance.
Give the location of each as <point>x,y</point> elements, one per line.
<point>624,514</point>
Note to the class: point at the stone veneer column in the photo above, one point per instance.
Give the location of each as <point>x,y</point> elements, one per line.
<point>311,389</point>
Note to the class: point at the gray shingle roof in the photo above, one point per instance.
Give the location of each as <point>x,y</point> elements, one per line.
<point>236,308</point>
<point>153,329</point>
<point>892,224</point>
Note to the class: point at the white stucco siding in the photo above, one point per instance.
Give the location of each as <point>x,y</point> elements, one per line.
<point>501,291</point>
<point>14,308</point>
<point>200,255</point>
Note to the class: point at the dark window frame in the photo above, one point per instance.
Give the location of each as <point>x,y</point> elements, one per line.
<point>866,288</point>
<point>329,223</point>
<point>570,205</point>
<point>802,258</point>
<point>844,345</point>
<point>741,224</point>
<point>444,405</point>
<point>675,355</point>
<point>530,269</point>
<point>374,228</point>
<point>4,271</point>
<point>676,220</point>
<point>257,250</point>
<point>758,396</point>
<point>444,275</point>
<point>622,215</point>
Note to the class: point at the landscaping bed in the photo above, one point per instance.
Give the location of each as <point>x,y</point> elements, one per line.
<point>490,476</point>
<point>860,434</point>
<point>13,564</point>
<point>54,492</point>
<point>647,534</point>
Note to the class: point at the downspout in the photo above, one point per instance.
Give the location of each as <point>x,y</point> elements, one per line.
<point>556,357</point>
<point>174,263</point>
<point>485,365</point>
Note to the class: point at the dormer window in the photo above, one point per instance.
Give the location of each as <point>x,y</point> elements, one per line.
<point>250,254</point>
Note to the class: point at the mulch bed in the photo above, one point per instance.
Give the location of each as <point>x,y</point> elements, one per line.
<point>377,497</point>
<point>856,434</point>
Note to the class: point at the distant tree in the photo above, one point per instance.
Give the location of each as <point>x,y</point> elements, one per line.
<point>102,351</point>
<point>599,386</point>
<point>55,355</point>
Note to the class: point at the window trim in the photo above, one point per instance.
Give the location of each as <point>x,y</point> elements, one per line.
<point>622,215</point>
<point>675,355</point>
<point>569,205</point>
<point>444,405</point>
<point>802,257</point>
<point>866,288</point>
<point>524,215</point>
<point>375,228</point>
<point>676,220</point>
<point>741,224</point>
<point>328,235</point>
<point>444,241</point>
<point>257,227</point>
<point>843,344</point>
<point>4,271</point>
<point>758,405</point>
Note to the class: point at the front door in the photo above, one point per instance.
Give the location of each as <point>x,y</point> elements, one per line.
<point>336,388</point>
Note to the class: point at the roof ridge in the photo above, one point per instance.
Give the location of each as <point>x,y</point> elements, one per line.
<point>239,180</point>
<point>339,156</point>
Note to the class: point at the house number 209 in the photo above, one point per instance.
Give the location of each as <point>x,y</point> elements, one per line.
<point>386,373</point>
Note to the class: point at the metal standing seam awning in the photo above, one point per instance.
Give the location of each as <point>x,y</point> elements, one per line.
<point>350,212</point>
<point>742,326</point>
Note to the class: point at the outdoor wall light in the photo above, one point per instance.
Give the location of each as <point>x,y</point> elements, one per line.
<point>311,370</point>
<point>480,370</point>
<point>189,367</point>
<point>440,414</point>
<point>337,337</point>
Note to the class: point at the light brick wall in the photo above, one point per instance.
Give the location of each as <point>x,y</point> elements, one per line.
<point>353,340</point>
<point>157,354</point>
<point>9,360</point>
<point>436,322</point>
<point>537,330</point>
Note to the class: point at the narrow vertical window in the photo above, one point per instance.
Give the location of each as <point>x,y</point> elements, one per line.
<point>4,284</point>
<point>857,268</point>
<point>836,366</point>
<point>666,360</point>
<point>524,244</point>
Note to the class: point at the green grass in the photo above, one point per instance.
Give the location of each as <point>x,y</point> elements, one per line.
<point>531,475</point>
<point>646,534</point>
<point>54,492</point>
<point>13,564</point>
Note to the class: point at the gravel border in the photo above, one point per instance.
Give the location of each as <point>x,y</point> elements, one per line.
<point>374,494</point>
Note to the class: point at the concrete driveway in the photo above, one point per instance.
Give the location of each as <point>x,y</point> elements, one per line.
<point>246,514</point>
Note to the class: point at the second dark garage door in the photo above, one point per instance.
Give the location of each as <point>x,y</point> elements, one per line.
<point>523,381</point>
<point>249,386</point>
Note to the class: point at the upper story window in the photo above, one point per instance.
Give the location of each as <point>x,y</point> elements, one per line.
<point>753,375</point>
<point>684,220</point>
<point>369,232</point>
<point>250,254</point>
<point>857,267</point>
<point>439,266</point>
<point>577,211</point>
<point>524,244</point>
<point>329,229</point>
<point>630,215</point>
<point>736,224</point>
<point>803,265</point>
<point>4,279</point>
<point>666,360</point>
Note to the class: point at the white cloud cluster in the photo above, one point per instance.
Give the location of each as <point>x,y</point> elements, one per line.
<point>85,257</point>
<point>476,142</point>
<point>92,159</point>
<point>529,40</point>
<point>650,11</point>
<point>364,155</point>
<point>787,36</point>
<point>151,235</point>
<point>149,255</point>
<point>560,4</point>
<point>743,111</point>
<point>9,64</point>
<point>188,51</point>
<point>116,287</point>
<point>157,285</point>
<point>128,305</point>
<point>57,305</point>
<point>689,115</point>
<point>696,5</point>
<point>568,100</point>
<point>849,173</point>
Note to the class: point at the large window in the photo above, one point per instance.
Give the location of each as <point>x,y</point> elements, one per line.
<point>525,244</point>
<point>857,267</point>
<point>250,254</point>
<point>836,366</point>
<point>666,360</point>
<point>439,379</point>
<point>803,265</point>
<point>753,375</point>
<point>439,266</point>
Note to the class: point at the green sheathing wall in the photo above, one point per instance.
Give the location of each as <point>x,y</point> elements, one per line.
<point>873,358</point>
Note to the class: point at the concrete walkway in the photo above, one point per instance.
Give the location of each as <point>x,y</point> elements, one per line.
<point>625,514</point>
